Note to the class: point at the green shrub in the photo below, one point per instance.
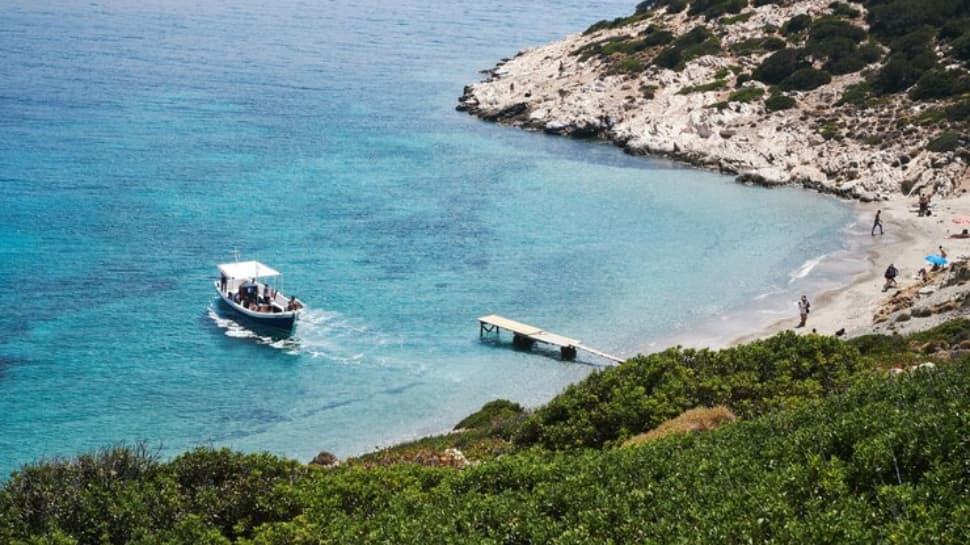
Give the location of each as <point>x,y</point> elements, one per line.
<point>806,79</point>
<point>900,73</point>
<point>855,94</point>
<point>704,87</point>
<point>829,34</point>
<point>491,414</point>
<point>947,141</point>
<point>961,47</point>
<point>629,65</point>
<point>757,45</point>
<point>796,24</point>
<point>746,94</point>
<point>870,52</point>
<point>735,19</point>
<point>845,63</point>
<point>779,65</point>
<point>940,83</point>
<point>844,10</point>
<point>697,42</point>
<point>658,37</point>
<point>776,103</point>
<point>644,391</point>
<point>959,111</point>
<point>715,8</point>
<point>670,57</point>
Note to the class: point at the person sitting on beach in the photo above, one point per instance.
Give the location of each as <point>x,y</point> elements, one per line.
<point>964,234</point>
<point>891,273</point>
<point>923,275</point>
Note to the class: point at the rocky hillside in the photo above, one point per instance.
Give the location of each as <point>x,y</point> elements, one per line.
<point>866,100</point>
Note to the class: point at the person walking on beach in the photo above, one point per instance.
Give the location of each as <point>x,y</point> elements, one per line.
<point>877,223</point>
<point>803,308</point>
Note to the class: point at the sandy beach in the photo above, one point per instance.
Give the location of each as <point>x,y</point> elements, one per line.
<point>908,239</point>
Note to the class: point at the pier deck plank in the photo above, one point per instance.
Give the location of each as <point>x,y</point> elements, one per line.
<point>539,335</point>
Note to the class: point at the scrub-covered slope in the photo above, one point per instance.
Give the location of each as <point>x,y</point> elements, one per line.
<point>866,99</point>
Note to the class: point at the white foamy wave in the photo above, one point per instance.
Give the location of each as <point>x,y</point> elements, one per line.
<point>767,294</point>
<point>805,269</point>
<point>328,334</point>
<point>318,333</point>
<point>237,330</point>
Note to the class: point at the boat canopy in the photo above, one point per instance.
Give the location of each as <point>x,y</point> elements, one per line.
<point>247,269</point>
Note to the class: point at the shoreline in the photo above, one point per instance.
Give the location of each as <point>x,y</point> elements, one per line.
<point>853,306</point>
<point>845,286</point>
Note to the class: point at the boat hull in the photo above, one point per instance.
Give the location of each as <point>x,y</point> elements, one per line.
<point>276,320</point>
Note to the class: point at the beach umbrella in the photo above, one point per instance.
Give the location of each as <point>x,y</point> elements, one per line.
<point>961,220</point>
<point>936,260</point>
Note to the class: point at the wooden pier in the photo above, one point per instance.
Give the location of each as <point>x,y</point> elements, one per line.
<point>524,336</point>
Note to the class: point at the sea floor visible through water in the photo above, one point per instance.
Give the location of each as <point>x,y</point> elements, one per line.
<point>144,142</point>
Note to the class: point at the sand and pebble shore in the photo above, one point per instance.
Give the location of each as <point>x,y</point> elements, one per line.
<point>863,305</point>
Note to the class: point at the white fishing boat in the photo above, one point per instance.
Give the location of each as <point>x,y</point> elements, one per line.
<point>245,287</point>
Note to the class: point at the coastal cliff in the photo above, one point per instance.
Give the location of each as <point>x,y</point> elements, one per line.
<point>854,99</point>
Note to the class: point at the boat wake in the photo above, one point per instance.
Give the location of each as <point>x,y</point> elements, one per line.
<point>318,333</point>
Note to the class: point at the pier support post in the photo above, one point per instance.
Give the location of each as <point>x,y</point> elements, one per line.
<point>523,342</point>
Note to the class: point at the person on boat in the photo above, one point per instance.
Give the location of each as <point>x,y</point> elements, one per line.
<point>293,304</point>
<point>222,282</point>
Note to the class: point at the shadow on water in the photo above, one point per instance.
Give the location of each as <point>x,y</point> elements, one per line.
<point>539,349</point>
<point>6,363</point>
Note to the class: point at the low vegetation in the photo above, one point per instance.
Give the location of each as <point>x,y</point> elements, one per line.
<point>828,447</point>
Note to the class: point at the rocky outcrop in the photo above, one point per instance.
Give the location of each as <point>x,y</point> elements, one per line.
<point>325,459</point>
<point>867,153</point>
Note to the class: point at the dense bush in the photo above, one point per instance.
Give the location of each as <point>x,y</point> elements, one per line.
<point>715,8</point>
<point>697,42</point>
<point>796,24</point>
<point>947,141</point>
<point>746,94</point>
<point>805,79</point>
<point>886,458</point>
<point>757,45</point>
<point>492,414</point>
<point>940,83</point>
<point>776,103</point>
<point>779,65</point>
<point>959,111</point>
<point>844,10</point>
<point>961,47</point>
<point>639,394</point>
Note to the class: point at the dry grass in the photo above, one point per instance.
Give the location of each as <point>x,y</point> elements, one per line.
<point>699,419</point>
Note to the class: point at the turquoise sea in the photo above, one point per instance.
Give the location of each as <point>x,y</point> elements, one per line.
<point>141,142</point>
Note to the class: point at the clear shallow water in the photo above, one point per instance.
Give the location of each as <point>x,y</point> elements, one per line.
<point>141,142</point>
